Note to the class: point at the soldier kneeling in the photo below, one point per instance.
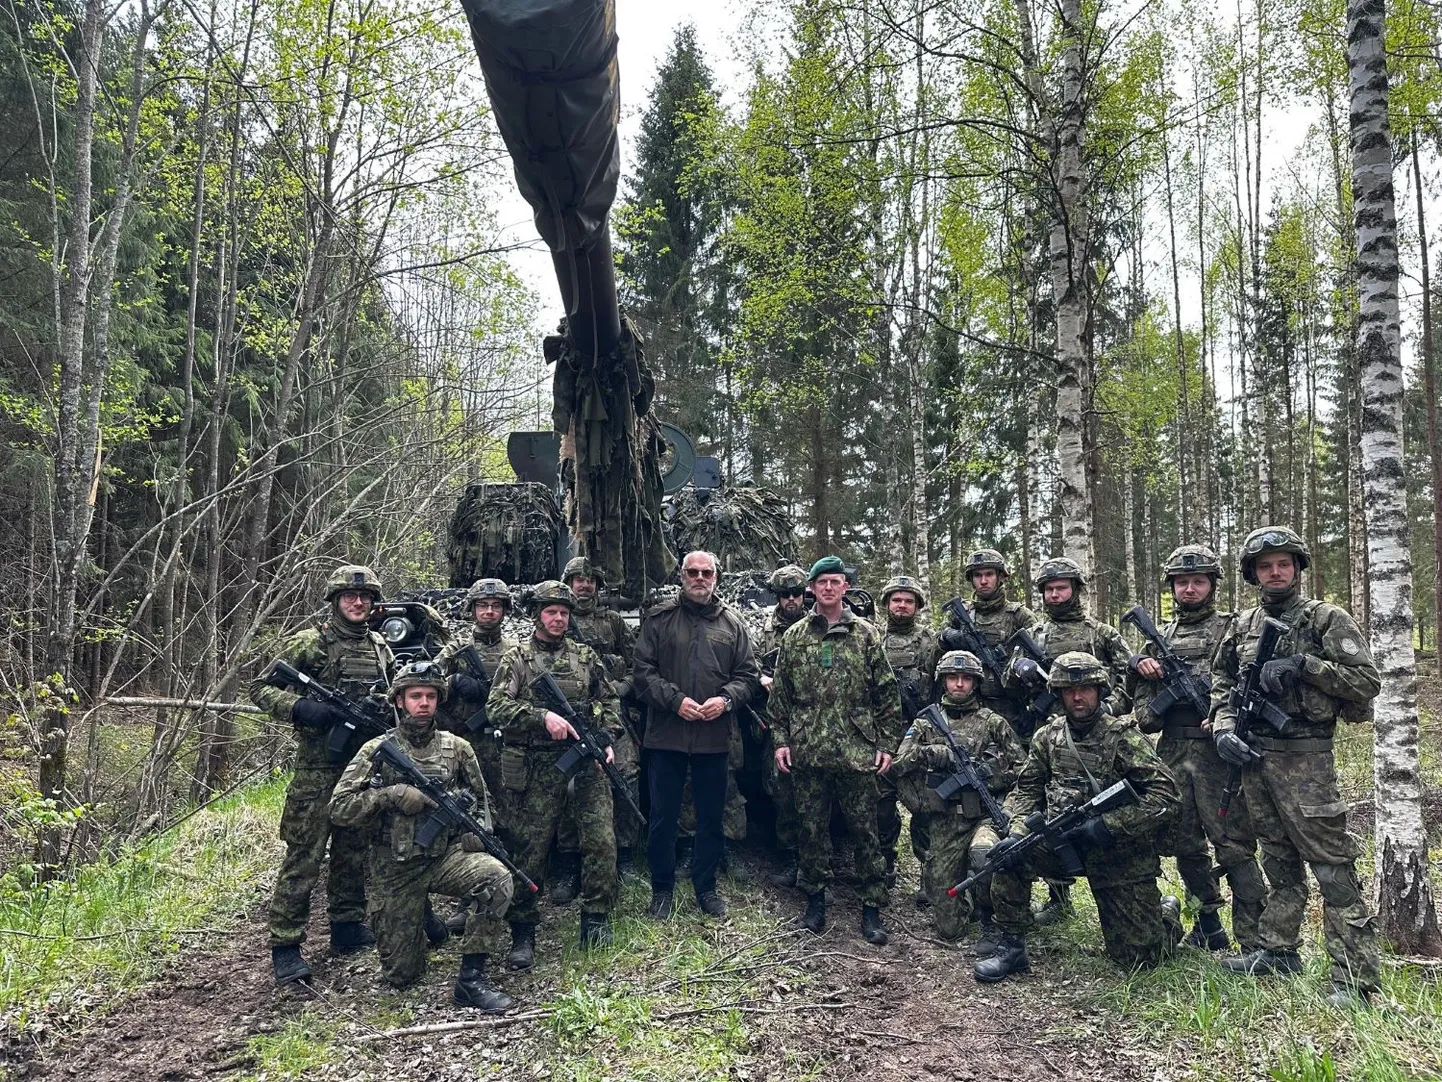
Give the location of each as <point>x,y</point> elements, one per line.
<point>402,872</point>
<point>1072,759</point>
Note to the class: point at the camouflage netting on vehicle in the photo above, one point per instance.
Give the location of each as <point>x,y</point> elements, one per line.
<point>504,531</point>
<point>746,527</point>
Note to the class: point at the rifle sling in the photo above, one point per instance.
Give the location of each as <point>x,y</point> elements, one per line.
<point>1091,780</point>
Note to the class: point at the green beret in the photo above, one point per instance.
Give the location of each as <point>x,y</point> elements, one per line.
<point>827,565</point>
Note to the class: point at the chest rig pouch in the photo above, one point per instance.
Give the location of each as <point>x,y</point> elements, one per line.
<point>439,762</point>
<point>354,665</point>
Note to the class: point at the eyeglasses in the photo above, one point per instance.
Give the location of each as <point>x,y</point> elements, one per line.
<point>789,593</point>
<point>699,572</point>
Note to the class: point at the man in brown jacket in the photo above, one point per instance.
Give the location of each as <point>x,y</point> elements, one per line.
<point>694,664</point>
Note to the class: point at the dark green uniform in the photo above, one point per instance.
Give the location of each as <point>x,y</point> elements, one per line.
<point>779,786</point>
<point>999,619</point>
<point>454,715</point>
<point>912,651</point>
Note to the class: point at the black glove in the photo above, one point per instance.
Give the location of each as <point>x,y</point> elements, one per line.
<point>937,757</point>
<point>998,854</point>
<point>467,687</point>
<point>310,714</point>
<point>953,639</point>
<point>1233,749</point>
<point>1093,834</point>
<point>1282,673</point>
<point>1025,669</point>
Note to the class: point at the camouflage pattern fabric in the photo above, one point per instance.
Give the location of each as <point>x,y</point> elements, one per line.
<point>778,786</point>
<point>1201,775</point>
<point>959,834</point>
<point>751,527</point>
<point>912,650</point>
<point>819,792</point>
<point>403,873</point>
<point>1296,807</point>
<point>535,788</point>
<point>455,712</point>
<point>349,659</point>
<point>999,619</point>
<point>504,531</point>
<point>1072,630</point>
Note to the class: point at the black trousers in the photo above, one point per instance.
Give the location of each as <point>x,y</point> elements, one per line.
<point>666,771</point>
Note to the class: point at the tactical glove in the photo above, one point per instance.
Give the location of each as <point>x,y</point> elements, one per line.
<point>1233,749</point>
<point>310,714</point>
<point>937,757</point>
<point>468,687</point>
<point>1027,670</point>
<point>953,639</point>
<point>1281,673</point>
<point>470,843</point>
<point>998,854</point>
<point>1093,834</point>
<point>407,799</point>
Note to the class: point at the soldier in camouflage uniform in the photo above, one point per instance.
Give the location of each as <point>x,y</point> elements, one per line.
<point>607,633</point>
<point>911,649</point>
<point>998,619</point>
<point>1072,759</point>
<point>1069,628</point>
<point>534,738</point>
<point>1192,573</point>
<point>1321,672</point>
<point>960,832</point>
<point>788,583</point>
<point>342,653</point>
<point>375,799</point>
<point>836,715</point>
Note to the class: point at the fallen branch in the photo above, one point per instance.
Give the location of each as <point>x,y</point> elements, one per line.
<point>181,704</point>
<point>747,1008</point>
<point>454,1027</point>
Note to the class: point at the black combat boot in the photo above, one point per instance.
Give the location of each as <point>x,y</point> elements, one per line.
<point>436,930</point>
<point>348,936</point>
<point>890,870</point>
<point>595,931</point>
<point>625,863</point>
<point>1264,963</point>
<point>1058,905</point>
<point>990,936</point>
<point>921,899</point>
<point>523,945</point>
<point>567,884</point>
<point>712,904</point>
<point>786,877</point>
<point>472,989</point>
<point>1208,934</point>
<point>288,965</point>
<point>871,929</point>
<point>684,848</point>
<point>814,919</point>
<point>1009,957</point>
<point>663,904</point>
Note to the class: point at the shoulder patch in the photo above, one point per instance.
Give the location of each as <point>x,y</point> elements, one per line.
<point>1351,646</point>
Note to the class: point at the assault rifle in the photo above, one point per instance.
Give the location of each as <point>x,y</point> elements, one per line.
<point>755,710</point>
<point>451,810</point>
<point>963,634</point>
<point>1041,700</point>
<point>470,657</point>
<point>1251,702</point>
<point>911,701</point>
<point>590,744</point>
<point>967,775</point>
<point>1180,685</point>
<point>1053,834</point>
<point>360,720</point>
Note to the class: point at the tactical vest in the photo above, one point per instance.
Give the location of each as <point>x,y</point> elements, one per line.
<point>440,762</point>
<point>1315,711</point>
<point>567,667</point>
<point>1196,643</point>
<point>1057,637</point>
<point>353,665</point>
<point>1094,752</point>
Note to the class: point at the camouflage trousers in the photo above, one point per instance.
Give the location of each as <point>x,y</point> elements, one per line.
<point>398,905</point>
<point>1136,932</point>
<point>958,844</point>
<point>625,825</point>
<point>888,823</point>
<point>305,827</point>
<point>782,791</point>
<point>537,792</point>
<point>853,792</point>
<point>1201,776</point>
<point>1300,817</point>
<point>488,752</point>
<point>733,816</point>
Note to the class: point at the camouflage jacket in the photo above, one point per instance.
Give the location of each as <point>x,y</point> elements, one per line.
<point>913,654</point>
<point>1340,679</point>
<point>444,758</point>
<point>988,739</point>
<point>1194,637</point>
<point>455,711</point>
<point>772,629</point>
<point>1055,778</point>
<point>342,660</point>
<point>514,709</point>
<point>834,702</point>
<point>999,619</point>
<point>1089,635</point>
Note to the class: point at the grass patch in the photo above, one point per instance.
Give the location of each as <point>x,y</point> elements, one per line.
<point>294,1051</point>
<point>71,944</point>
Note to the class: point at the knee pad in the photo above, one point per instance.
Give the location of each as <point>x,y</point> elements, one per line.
<point>1338,884</point>
<point>1246,882</point>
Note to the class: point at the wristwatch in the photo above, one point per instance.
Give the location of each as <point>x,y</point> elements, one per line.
<point>729,704</point>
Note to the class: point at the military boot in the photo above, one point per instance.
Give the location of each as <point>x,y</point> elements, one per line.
<point>684,848</point>
<point>523,945</point>
<point>567,884</point>
<point>1057,907</point>
<point>733,869</point>
<point>1208,934</point>
<point>1348,997</point>
<point>1264,963</point>
<point>288,965</point>
<point>814,919</point>
<point>1009,957</point>
<point>349,936</point>
<point>786,877</point>
<point>595,931</point>
<point>986,942</point>
<point>625,863</point>
<point>472,989</point>
<point>890,873</point>
<point>871,929</point>
<point>437,930</point>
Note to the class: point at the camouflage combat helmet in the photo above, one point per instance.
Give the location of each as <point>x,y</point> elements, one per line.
<point>1075,669</point>
<point>959,661</point>
<point>1192,560</point>
<point>1059,567</point>
<point>418,674</point>
<point>1272,539</point>
<point>482,589</point>
<point>580,565</point>
<point>787,577</point>
<point>984,558</point>
<point>352,577</point>
<point>905,582</point>
<point>552,592</point>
